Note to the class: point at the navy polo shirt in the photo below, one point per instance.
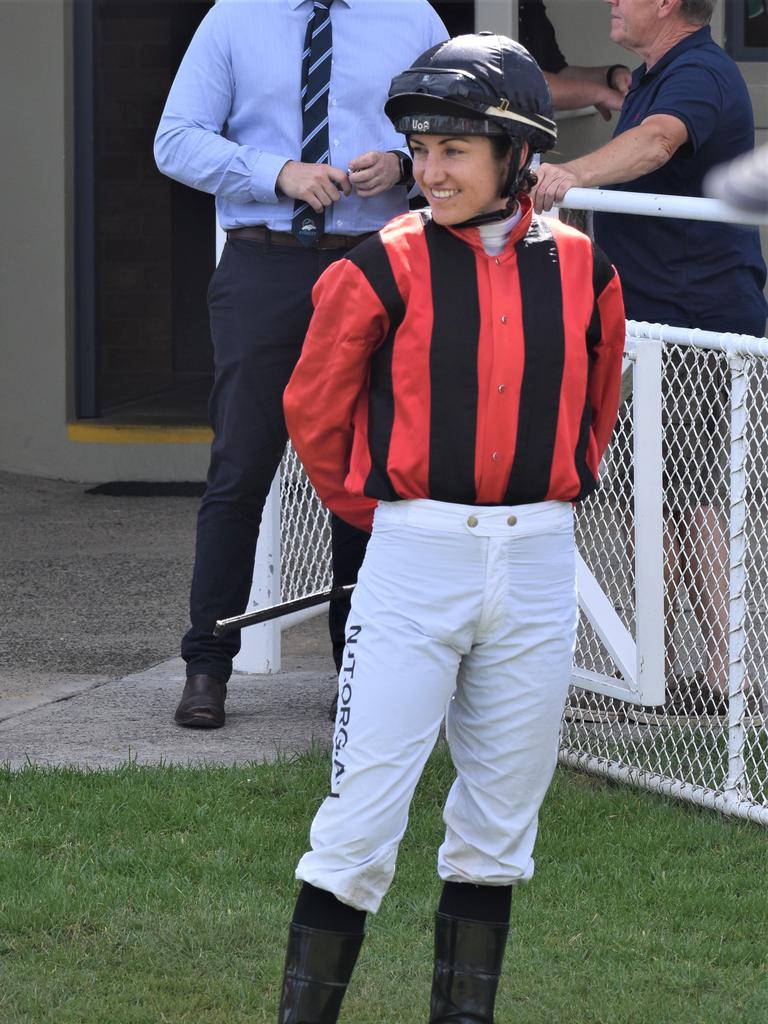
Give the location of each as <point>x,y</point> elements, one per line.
<point>689,273</point>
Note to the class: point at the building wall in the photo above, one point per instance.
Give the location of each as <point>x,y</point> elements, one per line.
<point>496,16</point>
<point>36,266</point>
<point>32,256</point>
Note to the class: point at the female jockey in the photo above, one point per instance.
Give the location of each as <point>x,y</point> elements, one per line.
<point>458,387</point>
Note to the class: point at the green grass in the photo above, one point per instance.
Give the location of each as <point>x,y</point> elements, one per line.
<point>144,896</point>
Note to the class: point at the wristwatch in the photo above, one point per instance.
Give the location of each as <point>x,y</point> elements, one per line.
<point>406,168</point>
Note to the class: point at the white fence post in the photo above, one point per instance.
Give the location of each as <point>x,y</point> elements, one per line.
<point>737,637</point>
<point>260,650</point>
<point>649,522</point>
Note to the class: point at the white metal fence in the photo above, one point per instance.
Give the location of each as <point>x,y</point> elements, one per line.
<point>704,746</point>
<point>708,742</point>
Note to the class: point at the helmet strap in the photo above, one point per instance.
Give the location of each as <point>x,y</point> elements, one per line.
<point>516,174</point>
<point>489,218</point>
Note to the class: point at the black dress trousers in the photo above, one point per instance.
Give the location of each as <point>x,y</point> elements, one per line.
<point>260,306</point>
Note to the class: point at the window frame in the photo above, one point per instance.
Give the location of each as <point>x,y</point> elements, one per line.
<point>735,45</point>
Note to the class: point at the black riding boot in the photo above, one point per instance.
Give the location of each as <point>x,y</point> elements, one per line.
<point>318,966</point>
<point>468,956</point>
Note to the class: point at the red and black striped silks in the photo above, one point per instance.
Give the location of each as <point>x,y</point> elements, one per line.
<point>432,370</point>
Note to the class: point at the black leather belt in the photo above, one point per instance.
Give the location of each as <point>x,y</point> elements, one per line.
<point>284,238</point>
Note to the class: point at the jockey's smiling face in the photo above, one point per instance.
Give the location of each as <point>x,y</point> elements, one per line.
<point>461,176</point>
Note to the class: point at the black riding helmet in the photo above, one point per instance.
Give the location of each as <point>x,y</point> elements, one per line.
<point>482,84</point>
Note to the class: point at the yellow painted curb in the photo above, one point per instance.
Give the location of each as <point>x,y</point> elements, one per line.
<point>126,433</point>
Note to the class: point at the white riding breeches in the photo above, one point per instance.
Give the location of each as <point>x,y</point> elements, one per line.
<point>467,608</point>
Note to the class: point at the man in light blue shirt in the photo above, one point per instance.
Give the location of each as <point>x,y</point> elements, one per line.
<point>233,126</point>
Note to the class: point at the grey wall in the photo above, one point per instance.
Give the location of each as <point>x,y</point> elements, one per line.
<point>32,266</point>
<point>36,257</point>
<point>496,16</point>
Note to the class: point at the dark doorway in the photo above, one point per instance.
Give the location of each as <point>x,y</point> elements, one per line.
<point>151,241</point>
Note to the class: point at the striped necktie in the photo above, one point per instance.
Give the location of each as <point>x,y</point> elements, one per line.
<point>307,225</point>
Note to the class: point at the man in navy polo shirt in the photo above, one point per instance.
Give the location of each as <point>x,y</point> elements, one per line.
<point>687,110</point>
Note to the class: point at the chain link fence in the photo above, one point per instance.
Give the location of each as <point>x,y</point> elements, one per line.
<point>702,744</point>
<point>305,533</point>
<point>708,743</point>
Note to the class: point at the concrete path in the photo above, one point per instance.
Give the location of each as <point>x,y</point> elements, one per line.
<point>108,723</point>
<point>93,592</point>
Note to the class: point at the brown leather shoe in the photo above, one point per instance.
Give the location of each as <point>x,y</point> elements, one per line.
<point>202,703</point>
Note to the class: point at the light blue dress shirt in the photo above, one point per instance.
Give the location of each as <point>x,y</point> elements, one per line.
<point>233,119</point>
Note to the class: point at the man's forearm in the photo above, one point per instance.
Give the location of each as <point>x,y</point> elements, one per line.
<point>580,74</point>
<point>201,158</point>
<point>570,93</point>
<point>632,154</point>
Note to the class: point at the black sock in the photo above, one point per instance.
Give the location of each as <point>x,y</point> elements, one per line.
<point>316,908</point>
<point>476,902</point>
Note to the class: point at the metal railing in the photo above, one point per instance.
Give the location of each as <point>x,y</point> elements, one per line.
<point>657,205</point>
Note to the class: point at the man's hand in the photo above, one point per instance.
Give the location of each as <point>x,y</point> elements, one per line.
<point>374,172</point>
<point>609,101</point>
<point>316,184</point>
<point>553,182</point>
<point>621,79</point>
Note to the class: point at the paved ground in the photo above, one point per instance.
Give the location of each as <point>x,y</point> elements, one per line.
<point>93,592</point>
